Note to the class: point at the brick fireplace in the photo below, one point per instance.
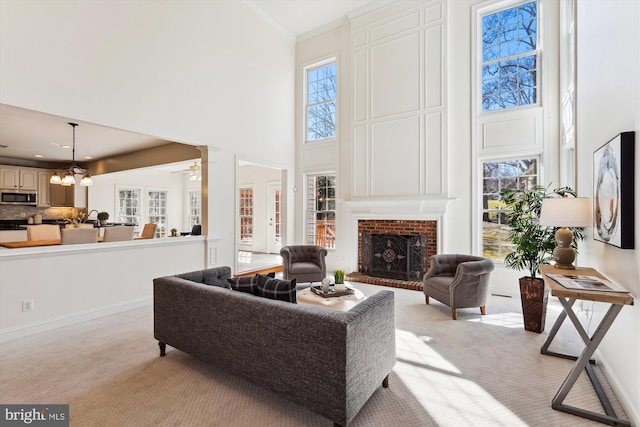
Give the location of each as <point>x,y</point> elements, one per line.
<point>395,252</point>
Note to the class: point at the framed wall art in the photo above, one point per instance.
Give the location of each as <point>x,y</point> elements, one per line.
<point>613,191</point>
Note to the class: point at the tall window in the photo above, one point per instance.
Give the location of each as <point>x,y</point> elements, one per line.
<point>194,208</point>
<point>246,215</point>
<point>321,211</point>
<point>129,205</point>
<point>496,177</point>
<point>321,102</point>
<point>510,58</point>
<point>157,210</point>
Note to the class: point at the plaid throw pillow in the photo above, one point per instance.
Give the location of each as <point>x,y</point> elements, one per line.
<point>247,284</point>
<point>281,290</point>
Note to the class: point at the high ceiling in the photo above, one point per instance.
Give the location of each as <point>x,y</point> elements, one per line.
<point>25,133</point>
<point>298,17</point>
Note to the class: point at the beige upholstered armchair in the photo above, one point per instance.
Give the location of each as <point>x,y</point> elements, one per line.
<point>305,263</point>
<point>459,281</point>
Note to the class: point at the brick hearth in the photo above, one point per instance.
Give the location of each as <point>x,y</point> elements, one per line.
<point>381,281</point>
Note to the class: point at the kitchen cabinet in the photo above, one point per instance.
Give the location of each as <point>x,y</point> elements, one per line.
<point>73,196</point>
<point>61,196</point>
<point>44,198</point>
<point>18,179</point>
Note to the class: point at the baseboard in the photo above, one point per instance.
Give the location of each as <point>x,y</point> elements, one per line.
<point>629,407</point>
<point>71,318</point>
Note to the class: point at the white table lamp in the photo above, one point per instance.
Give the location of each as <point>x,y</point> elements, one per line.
<point>565,212</point>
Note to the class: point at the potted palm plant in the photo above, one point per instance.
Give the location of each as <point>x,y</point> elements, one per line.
<point>533,245</point>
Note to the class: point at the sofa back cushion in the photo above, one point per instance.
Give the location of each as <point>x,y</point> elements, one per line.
<point>216,276</point>
<point>281,290</point>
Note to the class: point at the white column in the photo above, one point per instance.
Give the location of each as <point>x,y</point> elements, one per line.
<point>211,196</point>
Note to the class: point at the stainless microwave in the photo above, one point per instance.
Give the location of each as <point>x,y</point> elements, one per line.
<point>18,198</point>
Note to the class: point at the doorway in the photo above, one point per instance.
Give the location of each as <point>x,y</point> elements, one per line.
<point>261,216</point>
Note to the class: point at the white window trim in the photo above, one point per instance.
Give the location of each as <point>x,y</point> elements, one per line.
<point>143,202</point>
<point>305,69</point>
<point>188,213</point>
<point>253,224</point>
<point>146,207</point>
<point>541,150</point>
<point>479,191</point>
<point>477,59</point>
<point>306,200</point>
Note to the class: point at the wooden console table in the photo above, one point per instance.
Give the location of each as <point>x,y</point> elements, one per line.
<point>567,298</point>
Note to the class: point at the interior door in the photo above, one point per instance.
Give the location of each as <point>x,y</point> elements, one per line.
<point>274,229</point>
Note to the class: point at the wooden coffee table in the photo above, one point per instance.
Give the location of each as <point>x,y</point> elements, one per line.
<point>341,303</point>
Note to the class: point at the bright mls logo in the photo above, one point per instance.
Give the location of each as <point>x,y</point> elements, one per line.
<point>37,415</point>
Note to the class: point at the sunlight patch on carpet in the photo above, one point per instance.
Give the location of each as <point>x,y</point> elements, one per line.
<point>506,320</point>
<point>437,385</point>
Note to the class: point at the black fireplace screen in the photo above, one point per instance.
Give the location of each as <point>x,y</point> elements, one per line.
<point>394,256</point>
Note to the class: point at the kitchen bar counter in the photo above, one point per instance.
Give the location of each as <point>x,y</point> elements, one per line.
<point>72,283</point>
<point>34,243</point>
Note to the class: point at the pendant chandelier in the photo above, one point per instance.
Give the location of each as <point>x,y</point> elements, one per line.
<point>69,175</point>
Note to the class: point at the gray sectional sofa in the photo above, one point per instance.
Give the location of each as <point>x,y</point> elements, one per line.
<point>328,361</point>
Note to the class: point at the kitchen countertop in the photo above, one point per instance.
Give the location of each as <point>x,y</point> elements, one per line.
<point>20,224</point>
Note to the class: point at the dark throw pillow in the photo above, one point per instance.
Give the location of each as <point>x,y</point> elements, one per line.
<point>248,284</point>
<point>281,290</point>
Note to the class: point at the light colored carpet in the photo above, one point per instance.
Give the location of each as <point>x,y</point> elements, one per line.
<point>476,371</point>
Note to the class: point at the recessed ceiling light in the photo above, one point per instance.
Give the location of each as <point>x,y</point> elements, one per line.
<point>88,157</point>
<point>38,156</point>
<point>60,145</point>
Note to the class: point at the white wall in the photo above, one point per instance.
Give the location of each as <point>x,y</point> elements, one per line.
<point>210,73</point>
<point>608,102</point>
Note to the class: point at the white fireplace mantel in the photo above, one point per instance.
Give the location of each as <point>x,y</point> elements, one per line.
<point>400,208</point>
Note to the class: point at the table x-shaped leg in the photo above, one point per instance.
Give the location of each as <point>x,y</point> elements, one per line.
<point>582,362</point>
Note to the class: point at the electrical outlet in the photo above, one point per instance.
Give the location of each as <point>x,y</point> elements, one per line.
<point>27,304</point>
<point>22,214</point>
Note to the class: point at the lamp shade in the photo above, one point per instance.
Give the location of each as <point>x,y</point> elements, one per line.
<point>55,179</point>
<point>566,212</point>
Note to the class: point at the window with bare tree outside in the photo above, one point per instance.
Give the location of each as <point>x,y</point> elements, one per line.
<point>497,176</point>
<point>321,102</point>
<point>510,58</point>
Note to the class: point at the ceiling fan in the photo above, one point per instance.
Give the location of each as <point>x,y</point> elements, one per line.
<point>194,170</point>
